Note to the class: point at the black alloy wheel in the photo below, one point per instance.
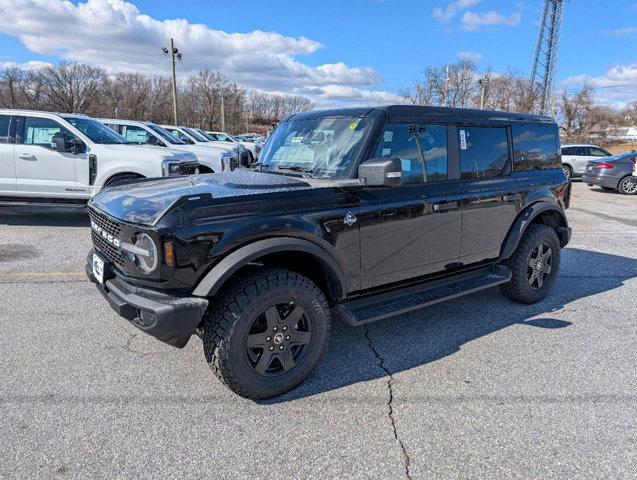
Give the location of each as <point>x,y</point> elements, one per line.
<point>539,265</point>
<point>278,339</point>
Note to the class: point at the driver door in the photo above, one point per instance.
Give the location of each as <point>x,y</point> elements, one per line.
<point>43,172</point>
<point>411,230</point>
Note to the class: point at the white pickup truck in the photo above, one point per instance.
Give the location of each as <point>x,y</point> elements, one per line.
<point>55,156</point>
<point>212,158</point>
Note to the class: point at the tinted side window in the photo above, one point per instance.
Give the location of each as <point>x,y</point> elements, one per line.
<point>4,128</point>
<point>534,147</point>
<point>597,152</point>
<point>484,152</point>
<point>40,131</point>
<point>402,140</point>
<point>580,151</point>
<point>568,151</point>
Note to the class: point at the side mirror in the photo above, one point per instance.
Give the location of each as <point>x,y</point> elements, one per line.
<point>75,145</point>
<point>58,142</point>
<point>154,141</point>
<point>381,172</point>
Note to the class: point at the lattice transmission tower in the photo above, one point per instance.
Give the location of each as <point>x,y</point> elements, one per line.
<point>547,52</point>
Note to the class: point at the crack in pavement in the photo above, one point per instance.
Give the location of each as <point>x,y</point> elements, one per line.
<point>381,364</point>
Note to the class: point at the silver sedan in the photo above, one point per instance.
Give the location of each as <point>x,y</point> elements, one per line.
<point>618,172</point>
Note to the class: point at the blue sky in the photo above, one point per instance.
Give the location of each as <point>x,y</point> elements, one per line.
<point>335,51</point>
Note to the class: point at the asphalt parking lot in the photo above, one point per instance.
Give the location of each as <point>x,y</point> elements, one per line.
<point>475,388</point>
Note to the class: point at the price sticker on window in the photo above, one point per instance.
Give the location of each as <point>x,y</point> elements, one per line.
<point>296,140</point>
<point>463,140</point>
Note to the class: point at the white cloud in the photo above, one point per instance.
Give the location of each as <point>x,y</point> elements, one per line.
<point>471,21</point>
<point>453,8</point>
<point>473,56</point>
<point>30,65</point>
<point>618,86</point>
<point>620,32</point>
<point>115,35</point>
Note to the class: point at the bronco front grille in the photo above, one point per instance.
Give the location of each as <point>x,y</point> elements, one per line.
<point>104,222</point>
<point>112,253</point>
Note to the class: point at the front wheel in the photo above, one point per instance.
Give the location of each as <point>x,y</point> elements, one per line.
<point>628,185</point>
<point>534,265</point>
<point>266,332</point>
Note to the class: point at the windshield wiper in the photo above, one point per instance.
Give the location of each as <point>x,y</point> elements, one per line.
<point>307,172</point>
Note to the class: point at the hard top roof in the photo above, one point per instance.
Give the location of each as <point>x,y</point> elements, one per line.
<point>397,112</point>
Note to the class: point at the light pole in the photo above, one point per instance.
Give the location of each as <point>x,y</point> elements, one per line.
<point>174,52</point>
<point>484,83</point>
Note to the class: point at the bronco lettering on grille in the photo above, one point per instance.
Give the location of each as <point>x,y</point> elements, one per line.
<point>105,235</point>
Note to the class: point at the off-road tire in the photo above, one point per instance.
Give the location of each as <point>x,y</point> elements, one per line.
<point>231,315</point>
<point>518,289</point>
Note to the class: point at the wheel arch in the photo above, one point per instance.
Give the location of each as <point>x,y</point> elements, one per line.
<point>121,174</point>
<point>544,213</point>
<point>295,254</point>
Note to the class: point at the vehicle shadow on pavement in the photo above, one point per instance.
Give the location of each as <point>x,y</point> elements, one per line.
<point>34,216</point>
<point>426,335</point>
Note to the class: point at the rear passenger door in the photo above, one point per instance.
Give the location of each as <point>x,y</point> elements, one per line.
<point>488,200</point>
<point>412,230</point>
<point>7,164</point>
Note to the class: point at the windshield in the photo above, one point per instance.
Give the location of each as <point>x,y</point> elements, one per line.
<point>96,131</point>
<point>322,147</point>
<point>198,136</point>
<point>165,134</point>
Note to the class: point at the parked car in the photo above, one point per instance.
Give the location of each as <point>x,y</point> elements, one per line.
<point>614,173</point>
<point>198,137</point>
<point>576,157</point>
<point>71,157</point>
<point>252,146</point>
<point>211,158</point>
<point>366,212</point>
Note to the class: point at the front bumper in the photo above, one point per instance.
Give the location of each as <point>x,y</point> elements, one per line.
<point>169,319</point>
<point>599,180</point>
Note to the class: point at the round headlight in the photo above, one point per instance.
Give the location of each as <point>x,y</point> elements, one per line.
<point>148,260</point>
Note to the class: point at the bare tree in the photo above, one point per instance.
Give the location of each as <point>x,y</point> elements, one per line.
<point>72,87</point>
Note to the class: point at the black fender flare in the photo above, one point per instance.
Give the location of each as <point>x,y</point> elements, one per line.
<point>525,218</point>
<point>230,264</point>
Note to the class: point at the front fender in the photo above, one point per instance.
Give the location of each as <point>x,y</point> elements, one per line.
<point>525,218</point>
<point>230,264</point>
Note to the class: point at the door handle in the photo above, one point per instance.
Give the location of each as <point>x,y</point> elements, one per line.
<point>445,207</point>
<point>512,197</point>
<point>28,156</point>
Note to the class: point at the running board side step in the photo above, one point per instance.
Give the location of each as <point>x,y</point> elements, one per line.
<point>378,307</point>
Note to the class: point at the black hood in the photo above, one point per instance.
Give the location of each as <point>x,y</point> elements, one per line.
<point>145,202</point>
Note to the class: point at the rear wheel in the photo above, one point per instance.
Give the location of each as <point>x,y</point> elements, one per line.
<point>534,265</point>
<point>628,185</point>
<point>266,332</point>
<point>568,171</point>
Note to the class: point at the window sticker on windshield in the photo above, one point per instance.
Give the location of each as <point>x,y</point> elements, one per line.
<point>296,140</point>
<point>386,152</point>
<point>353,125</point>
<point>463,140</point>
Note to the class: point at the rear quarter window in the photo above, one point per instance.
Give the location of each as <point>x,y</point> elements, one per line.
<point>535,147</point>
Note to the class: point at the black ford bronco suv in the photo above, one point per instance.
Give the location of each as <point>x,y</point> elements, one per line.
<point>362,213</point>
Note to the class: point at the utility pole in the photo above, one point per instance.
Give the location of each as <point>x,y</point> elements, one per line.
<point>484,82</point>
<point>223,114</point>
<point>446,100</point>
<point>174,53</point>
